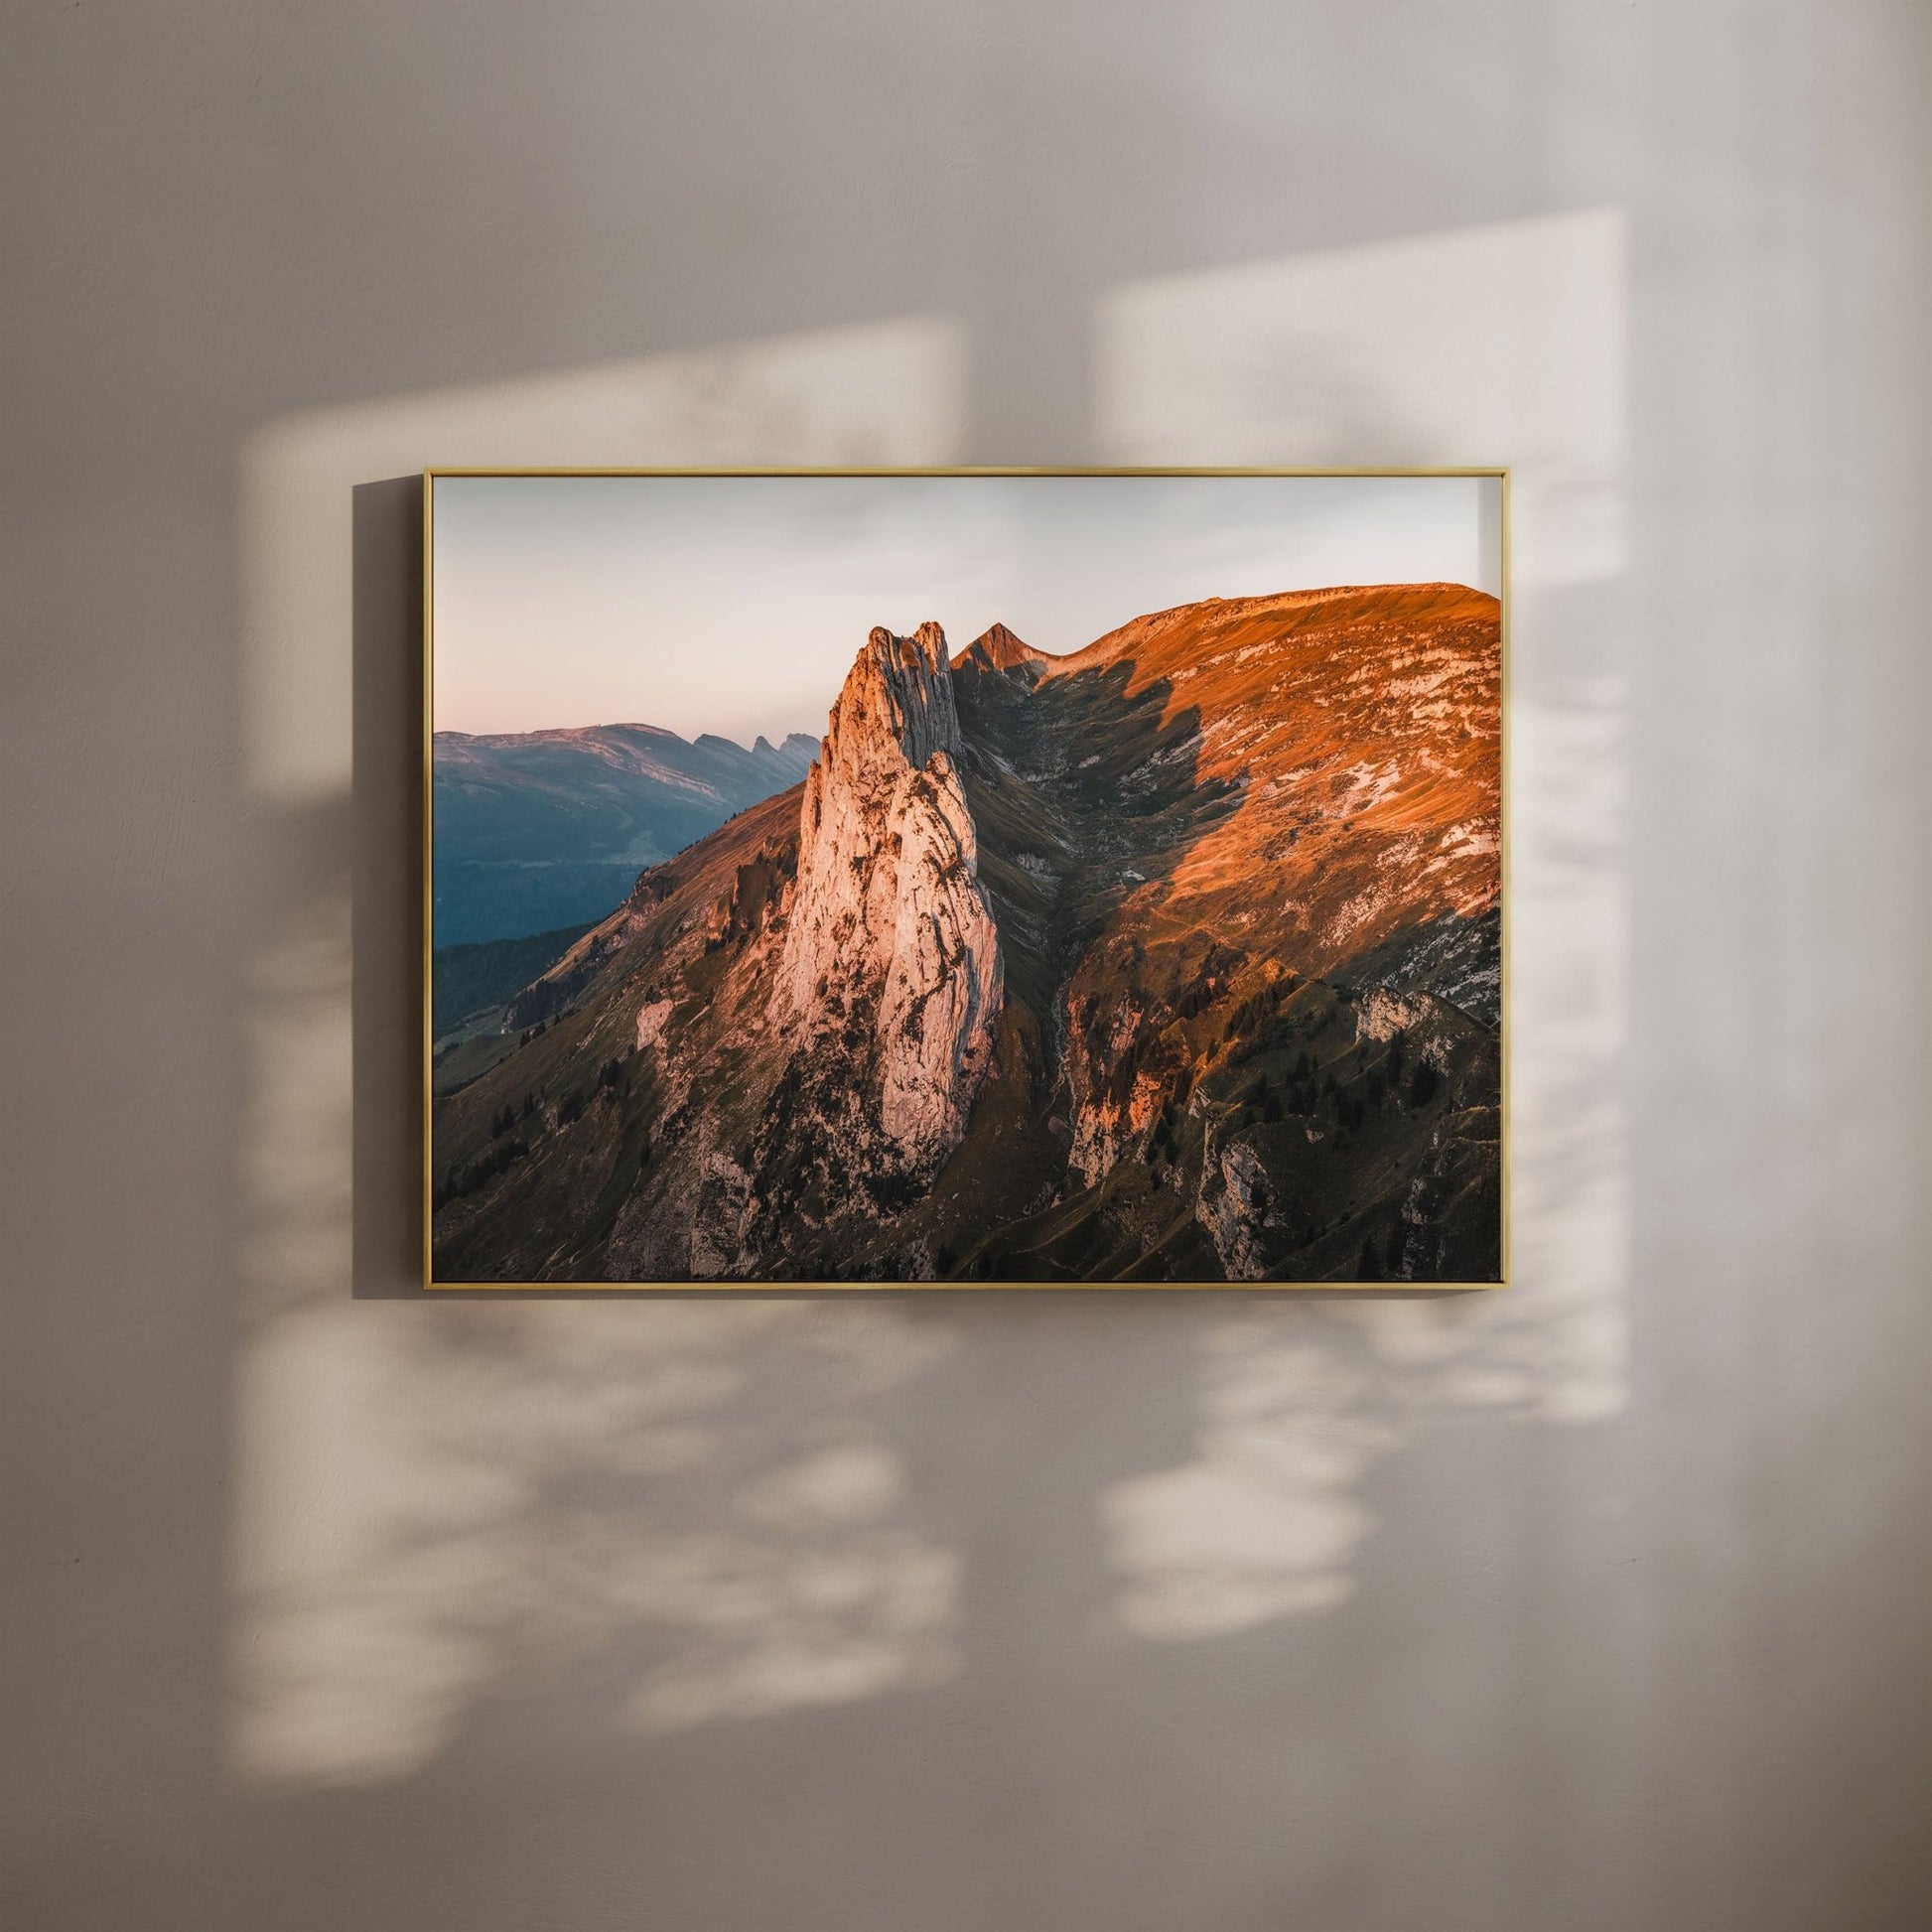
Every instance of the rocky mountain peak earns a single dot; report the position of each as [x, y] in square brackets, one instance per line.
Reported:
[897, 698]
[1001, 649]
[888, 929]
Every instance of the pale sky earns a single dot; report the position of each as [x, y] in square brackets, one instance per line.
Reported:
[736, 605]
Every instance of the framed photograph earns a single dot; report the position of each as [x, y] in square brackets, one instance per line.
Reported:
[965, 877]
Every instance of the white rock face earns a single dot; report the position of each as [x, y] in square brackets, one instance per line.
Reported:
[1383, 1014]
[887, 927]
[1234, 1212]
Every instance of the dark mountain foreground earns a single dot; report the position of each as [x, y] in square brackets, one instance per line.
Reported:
[1177, 959]
[537, 830]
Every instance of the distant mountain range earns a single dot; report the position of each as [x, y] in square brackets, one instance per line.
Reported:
[1177, 958]
[537, 830]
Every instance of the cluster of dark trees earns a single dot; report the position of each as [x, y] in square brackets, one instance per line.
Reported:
[1303, 1093]
[496, 1159]
[507, 1116]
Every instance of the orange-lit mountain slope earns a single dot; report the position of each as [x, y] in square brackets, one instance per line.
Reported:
[1361, 731]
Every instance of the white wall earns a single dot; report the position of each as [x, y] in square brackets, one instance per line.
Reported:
[1596, 1604]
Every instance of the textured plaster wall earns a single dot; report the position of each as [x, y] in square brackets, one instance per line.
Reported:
[1600, 1604]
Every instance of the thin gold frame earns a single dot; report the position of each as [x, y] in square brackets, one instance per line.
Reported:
[1500, 472]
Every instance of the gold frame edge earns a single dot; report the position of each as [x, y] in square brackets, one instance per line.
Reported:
[775, 1290]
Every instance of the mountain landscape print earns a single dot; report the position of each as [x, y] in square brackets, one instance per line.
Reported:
[1164, 949]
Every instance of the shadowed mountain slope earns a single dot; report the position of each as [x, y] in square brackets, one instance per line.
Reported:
[1177, 958]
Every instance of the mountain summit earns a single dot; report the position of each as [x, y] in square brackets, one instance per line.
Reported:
[998, 649]
[1177, 958]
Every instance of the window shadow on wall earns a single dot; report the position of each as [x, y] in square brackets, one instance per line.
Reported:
[949, 1585]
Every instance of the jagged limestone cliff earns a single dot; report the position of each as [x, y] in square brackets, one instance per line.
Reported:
[886, 920]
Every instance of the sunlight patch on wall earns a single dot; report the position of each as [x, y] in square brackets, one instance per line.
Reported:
[881, 394]
[1505, 344]
[631, 1516]
[1499, 345]
[810, 1593]
[451, 1512]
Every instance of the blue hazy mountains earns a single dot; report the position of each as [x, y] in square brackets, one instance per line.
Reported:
[537, 830]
